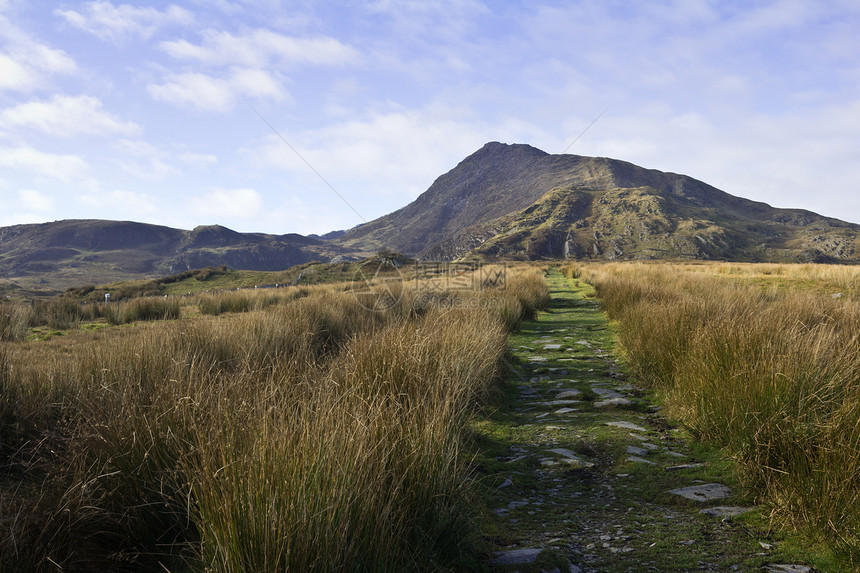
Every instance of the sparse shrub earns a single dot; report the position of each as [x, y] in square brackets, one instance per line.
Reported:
[15, 320]
[141, 309]
[529, 287]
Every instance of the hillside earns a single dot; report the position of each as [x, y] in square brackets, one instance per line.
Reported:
[501, 202]
[67, 253]
[516, 201]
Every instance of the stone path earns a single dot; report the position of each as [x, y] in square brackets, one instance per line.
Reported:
[585, 475]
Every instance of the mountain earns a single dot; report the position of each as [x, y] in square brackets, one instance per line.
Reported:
[516, 201]
[501, 202]
[76, 252]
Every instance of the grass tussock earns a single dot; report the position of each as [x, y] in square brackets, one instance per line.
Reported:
[245, 300]
[311, 434]
[755, 359]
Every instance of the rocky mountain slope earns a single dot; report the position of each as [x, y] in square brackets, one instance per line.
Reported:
[516, 201]
[75, 252]
[501, 202]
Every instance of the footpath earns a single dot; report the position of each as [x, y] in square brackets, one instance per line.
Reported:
[584, 474]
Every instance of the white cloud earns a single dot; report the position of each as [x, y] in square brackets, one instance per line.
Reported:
[197, 90]
[209, 93]
[50, 60]
[387, 154]
[116, 23]
[122, 201]
[143, 160]
[260, 48]
[256, 83]
[65, 167]
[15, 76]
[25, 63]
[198, 159]
[242, 203]
[67, 116]
[33, 200]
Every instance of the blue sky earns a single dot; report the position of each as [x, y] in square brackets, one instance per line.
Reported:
[151, 111]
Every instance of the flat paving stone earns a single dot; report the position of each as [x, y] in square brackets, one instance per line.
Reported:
[725, 511]
[638, 460]
[781, 568]
[563, 402]
[626, 426]
[516, 556]
[565, 452]
[612, 402]
[606, 392]
[703, 492]
[684, 466]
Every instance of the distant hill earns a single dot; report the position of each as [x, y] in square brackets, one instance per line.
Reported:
[516, 201]
[75, 252]
[501, 202]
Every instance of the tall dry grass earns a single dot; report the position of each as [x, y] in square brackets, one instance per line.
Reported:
[310, 435]
[768, 369]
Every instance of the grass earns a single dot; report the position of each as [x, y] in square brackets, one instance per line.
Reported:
[614, 515]
[305, 433]
[756, 360]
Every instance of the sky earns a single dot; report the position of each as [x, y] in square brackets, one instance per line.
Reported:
[307, 117]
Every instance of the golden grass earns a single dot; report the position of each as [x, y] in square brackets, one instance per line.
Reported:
[305, 434]
[769, 368]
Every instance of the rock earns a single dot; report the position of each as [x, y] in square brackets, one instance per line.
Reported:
[565, 453]
[725, 511]
[568, 394]
[562, 402]
[612, 402]
[627, 426]
[638, 460]
[516, 556]
[606, 393]
[552, 346]
[650, 446]
[566, 410]
[703, 492]
[636, 451]
[781, 568]
[684, 466]
[537, 359]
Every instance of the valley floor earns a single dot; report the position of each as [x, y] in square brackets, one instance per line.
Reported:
[583, 472]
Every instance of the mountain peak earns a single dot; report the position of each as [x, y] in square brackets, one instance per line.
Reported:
[514, 200]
